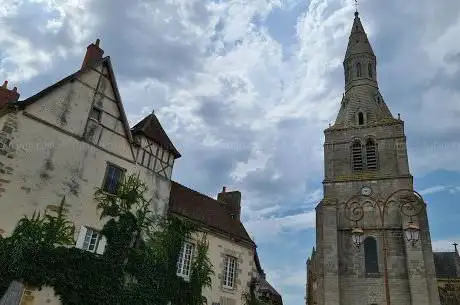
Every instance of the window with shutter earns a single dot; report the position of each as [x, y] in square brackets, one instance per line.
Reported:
[91, 240]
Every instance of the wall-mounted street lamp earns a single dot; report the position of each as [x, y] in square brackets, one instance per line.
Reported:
[357, 236]
[412, 233]
[410, 203]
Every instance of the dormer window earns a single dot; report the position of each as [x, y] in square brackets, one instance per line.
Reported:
[370, 72]
[360, 118]
[358, 70]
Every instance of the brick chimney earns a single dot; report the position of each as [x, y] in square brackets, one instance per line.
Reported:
[93, 54]
[7, 95]
[232, 200]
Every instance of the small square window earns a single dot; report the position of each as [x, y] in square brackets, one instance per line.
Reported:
[95, 114]
[112, 179]
[91, 240]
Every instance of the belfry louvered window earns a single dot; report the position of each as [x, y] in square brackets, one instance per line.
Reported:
[357, 156]
[371, 155]
[370, 72]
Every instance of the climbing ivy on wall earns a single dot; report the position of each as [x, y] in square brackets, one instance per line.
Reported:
[138, 266]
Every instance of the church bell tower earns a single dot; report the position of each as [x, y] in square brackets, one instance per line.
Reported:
[373, 243]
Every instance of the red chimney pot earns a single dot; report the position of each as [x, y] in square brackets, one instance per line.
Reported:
[7, 95]
[93, 54]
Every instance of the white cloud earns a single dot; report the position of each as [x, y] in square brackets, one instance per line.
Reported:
[241, 111]
[289, 277]
[433, 189]
[440, 188]
[267, 228]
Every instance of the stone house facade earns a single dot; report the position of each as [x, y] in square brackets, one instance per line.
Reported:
[231, 251]
[366, 165]
[73, 137]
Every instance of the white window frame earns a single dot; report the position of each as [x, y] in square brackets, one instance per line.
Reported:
[184, 262]
[91, 240]
[230, 268]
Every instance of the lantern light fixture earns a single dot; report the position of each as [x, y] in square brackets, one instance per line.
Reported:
[412, 232]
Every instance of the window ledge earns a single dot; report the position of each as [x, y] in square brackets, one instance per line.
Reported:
[184, 277]
[228, 289]
[373, 274]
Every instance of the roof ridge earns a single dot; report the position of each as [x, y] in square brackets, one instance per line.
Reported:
[203, 208]
[194, 191]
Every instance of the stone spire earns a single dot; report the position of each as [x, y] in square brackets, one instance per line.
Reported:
[360, 61]
[362, 103]
[358, 42]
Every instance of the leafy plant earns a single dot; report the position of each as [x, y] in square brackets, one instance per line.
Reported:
[137, 268]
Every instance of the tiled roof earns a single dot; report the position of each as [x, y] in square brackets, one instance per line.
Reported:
[205, 210]
[447, 264]
[150, 127]
[264, 285]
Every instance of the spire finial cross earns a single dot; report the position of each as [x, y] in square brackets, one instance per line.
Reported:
[356, 6]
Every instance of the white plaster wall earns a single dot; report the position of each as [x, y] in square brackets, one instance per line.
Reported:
[48, 159]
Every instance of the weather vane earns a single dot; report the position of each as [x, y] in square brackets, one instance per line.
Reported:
[356, 5]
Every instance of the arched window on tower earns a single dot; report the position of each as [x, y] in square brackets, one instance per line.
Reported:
[357, 156]
[360, 118]
[371, 262]
[371, 154]
[358, 70]
[370, 71]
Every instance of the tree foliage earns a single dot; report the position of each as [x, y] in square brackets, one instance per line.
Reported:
[138, 266]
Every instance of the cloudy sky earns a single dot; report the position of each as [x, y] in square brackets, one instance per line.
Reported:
[245, 88]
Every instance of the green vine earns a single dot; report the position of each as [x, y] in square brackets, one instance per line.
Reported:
[138, 266]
